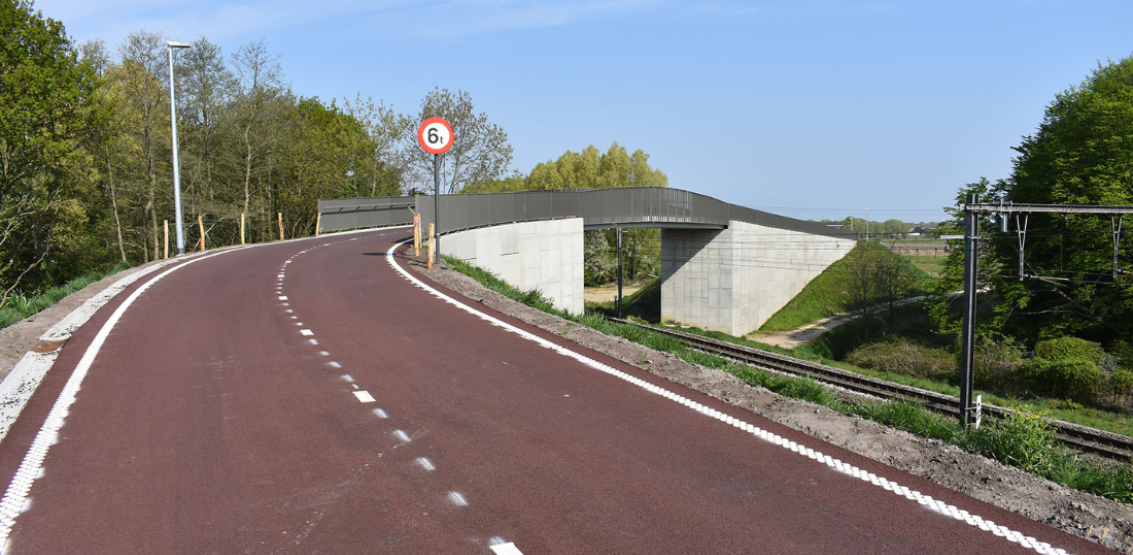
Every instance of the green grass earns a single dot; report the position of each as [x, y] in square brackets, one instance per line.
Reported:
[931, 265]
[1023, 440]
[19, 307]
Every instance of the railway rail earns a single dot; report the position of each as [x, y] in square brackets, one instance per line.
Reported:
[1082, 438]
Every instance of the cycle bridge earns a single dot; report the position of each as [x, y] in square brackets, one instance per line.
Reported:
[724, 267]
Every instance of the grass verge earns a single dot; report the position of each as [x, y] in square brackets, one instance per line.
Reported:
[1023, 440]
[19, 307]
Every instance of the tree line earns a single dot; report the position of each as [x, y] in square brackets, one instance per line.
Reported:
[86, 176]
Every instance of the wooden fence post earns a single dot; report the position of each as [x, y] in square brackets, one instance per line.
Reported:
[166, 239]
[318, 223]
[432, 246]
[201, 226]
[281, 226]
[417, 235]
[241, 228]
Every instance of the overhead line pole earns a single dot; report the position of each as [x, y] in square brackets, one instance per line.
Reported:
[972, 208]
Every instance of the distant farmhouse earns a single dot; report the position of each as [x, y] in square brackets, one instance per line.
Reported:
[921, 230]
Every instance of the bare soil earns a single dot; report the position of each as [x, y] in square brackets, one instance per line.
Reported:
[1097, 519]
[608, 293]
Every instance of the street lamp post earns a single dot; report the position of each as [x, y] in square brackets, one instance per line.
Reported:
[176, 166]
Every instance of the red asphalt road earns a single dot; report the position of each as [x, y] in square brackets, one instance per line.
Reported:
[210, 424]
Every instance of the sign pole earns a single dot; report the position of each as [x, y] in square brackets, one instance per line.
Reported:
[435, 136]
[437, 198]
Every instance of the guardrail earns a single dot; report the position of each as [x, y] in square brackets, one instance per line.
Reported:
[600, 208]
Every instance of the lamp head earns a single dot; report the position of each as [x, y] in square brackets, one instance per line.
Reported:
[175, 44]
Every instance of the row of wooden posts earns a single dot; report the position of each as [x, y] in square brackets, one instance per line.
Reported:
[201, 226]
[318, 225]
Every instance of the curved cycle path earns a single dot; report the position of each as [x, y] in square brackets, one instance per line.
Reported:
[313, 397]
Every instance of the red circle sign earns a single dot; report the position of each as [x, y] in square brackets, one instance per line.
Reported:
[435, 135]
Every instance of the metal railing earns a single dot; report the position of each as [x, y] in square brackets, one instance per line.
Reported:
[601, 208]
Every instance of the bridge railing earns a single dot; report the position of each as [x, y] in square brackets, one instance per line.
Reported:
[641, 206]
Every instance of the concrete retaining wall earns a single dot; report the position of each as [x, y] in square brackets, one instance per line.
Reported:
[733, 280]
[544, 255]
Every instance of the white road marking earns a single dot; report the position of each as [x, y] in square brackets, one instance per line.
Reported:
[348, 378]
[364, 396]
[324, 353]
[381, 413]
[457, 499]
[401, 435]
[306, 332]
[505, 549]
[283, 297]
[940, 507]
[17, 493]
[313, 341]
[334, 364]
[426, 464]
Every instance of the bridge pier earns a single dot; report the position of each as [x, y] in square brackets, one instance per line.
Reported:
[732, 280]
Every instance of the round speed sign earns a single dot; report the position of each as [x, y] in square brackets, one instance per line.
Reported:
[435, 135]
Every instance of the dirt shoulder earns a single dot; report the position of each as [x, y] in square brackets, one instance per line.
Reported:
[1100, 520]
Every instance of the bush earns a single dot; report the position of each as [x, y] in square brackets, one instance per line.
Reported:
[1064, 379]
[901, 356]
[999, 367]
[1121, 383]
[1069, 348]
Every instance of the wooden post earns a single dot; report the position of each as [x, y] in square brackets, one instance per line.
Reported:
[166, 239]
[432, 246]
[241, 228]
[417, 235]
[201, 226]
[318, 223]
[281, 226]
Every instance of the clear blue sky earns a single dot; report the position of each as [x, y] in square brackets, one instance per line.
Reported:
[807, 108]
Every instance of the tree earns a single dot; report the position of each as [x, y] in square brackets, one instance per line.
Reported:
[206, 89]
[45, 93]
[1082, 153]
[480, 151]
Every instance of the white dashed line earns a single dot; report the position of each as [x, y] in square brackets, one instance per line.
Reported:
[348, 378]
[504, 548]
[334, 364]
[939, 507]
[401, 434]
[457, 499]
[364, 396]
[426, 464]
[306, 332]
[283, 297]
[313, 341]
[324, 353]
[381, 413]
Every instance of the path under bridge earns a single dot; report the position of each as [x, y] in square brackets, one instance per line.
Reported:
[724, 267]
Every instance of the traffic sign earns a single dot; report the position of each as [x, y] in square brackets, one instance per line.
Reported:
[435, 135]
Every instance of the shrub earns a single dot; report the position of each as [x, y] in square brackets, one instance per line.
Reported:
[999, 367]
[901, 356]
[1068, 348]
[1064, 379]
[1121, 383]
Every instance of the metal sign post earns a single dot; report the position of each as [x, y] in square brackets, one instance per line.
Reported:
[435, 136]
[967, 345]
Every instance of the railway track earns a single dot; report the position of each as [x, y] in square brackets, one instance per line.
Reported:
[1082, 438]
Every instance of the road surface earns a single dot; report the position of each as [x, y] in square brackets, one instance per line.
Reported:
[310, 397]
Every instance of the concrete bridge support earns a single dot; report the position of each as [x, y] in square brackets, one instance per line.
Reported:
[544, 255]
[733, 280]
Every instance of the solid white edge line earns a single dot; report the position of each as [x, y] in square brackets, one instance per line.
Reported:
[31, 466]
[939, 507]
